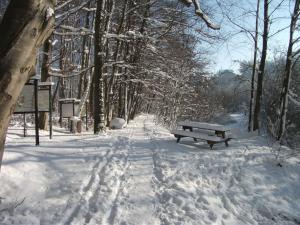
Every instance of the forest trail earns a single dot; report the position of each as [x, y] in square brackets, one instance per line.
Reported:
[140, 175]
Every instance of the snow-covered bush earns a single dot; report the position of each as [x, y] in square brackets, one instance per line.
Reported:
[118, 123]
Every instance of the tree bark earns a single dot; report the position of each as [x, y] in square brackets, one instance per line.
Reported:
[261, 70]
[99, 120]
[44, 117]
[86, 46]
[287, 73]
[250, 122]
[111, 83]
[26, 25]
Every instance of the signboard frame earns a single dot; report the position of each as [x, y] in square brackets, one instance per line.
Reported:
[42, 87]
[74, 103]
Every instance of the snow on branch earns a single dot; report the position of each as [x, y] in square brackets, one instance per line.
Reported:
[49, 13]
[58, 73]
[89, 9]
[201, 14]
[71, 11]
[74, 31]
[294, 101]
[63, 5]
[188, 3]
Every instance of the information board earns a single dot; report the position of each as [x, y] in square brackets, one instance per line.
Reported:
[25, 102]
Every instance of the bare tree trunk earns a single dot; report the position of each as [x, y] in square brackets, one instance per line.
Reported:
[99, 123]
[110, 93]
[109, 86]
[126, 102]
[261, 70]
[26, 25]
[250, 122]
[287, 73]
[85, 54]
[44, 117]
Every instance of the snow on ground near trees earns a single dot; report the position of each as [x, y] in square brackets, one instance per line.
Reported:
[140, 175]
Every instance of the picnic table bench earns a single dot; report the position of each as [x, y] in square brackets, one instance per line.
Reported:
[219, 130]
[200, 132]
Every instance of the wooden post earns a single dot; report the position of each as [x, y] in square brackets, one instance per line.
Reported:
[36, 106]
[60, 113]
[86, 116]
[50, 111]
[24, 121]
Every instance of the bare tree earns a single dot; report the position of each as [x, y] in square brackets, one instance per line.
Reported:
[103, 18]
[250, 121]
[284, 98]
[261, 70]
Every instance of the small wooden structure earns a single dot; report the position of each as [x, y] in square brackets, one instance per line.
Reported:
[202, 131]
[68, 108]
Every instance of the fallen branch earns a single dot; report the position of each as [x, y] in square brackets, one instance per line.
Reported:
[17, 204]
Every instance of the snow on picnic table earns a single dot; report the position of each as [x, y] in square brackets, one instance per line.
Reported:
[140, 175]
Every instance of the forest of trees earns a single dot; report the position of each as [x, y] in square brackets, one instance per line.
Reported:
[128, 57]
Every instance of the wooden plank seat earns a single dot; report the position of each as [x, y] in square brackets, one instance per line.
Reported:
[219, 130]
[210, 139]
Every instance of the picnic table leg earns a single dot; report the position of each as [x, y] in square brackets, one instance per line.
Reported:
[178, 137]
[226, 143]
[211, 144]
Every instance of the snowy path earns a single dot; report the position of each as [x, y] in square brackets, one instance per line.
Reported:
[140, 175]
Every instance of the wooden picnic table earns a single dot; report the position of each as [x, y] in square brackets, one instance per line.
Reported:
[219, 130]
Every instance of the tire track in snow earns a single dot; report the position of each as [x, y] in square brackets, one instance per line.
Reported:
[89, 186]
[113, 212]
[136, 203]
[85, 192]
[158, 180]
[82, 210]
[103, 204]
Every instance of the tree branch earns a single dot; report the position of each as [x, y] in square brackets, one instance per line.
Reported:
[201, 14]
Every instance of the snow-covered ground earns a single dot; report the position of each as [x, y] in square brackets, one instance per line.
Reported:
[140, 175]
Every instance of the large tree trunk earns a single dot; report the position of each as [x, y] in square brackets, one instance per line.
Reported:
[24, 28]
[99, 121]
[110, 89]
[250, 122]
[261, 70]
[44, 117]
[86, 47]
[288, 72]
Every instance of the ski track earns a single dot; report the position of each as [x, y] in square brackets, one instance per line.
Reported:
[105, 183]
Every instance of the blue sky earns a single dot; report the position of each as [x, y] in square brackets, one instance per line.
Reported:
[225, 54]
